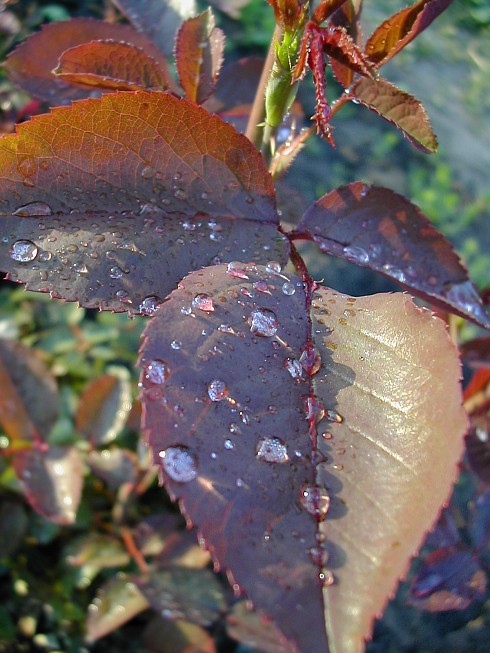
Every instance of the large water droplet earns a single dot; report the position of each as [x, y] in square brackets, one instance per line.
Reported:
[237, 270]
[263, 322]
[115, 272]
[272, 450]
[356, 254]
[179, 463]
[288, 288]
[273, 267]
[176, 344]
[203, 302]
[23, 251]
[310, 359]
[33, 209]
[294, 367]
[315, 500]
[149, 305]
[157, 371]
[217, 390]
[333, 416]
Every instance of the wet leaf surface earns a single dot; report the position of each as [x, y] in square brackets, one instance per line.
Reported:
[29, 400]
[347, 16]
[450, 579]
[379, 229]
[286, 455]
[400, 29]
[112, 65]
[180, 593]
[158, 20]
[199, 55]
[397, 107]
[117, 601]
[51, 478]
[104, 407]
[120, 224]
[30, 65]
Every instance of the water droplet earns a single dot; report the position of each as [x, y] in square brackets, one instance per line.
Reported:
[180, 194]
[175, 344]
[326, 578]
[217, 390]
[395, 272]
[288, 288]
[310, 359]
[226, 328]
[179, 463]
[23, 251]
[149, 305]
[237, 270]
[80, 268]
[188, 226]
[272, 450]
[33, 209]
[294, 367]
[318, 555]
[356, 254]
[44, 256]
[177, 176]
[315, 500]
[186, 310]
[157, 371]
[314, 409]
[147, 172]
[273, 267]
[333, 416]
[233, 428]
[203, 302]
[229, 444]
[263, 322]
[262, 286]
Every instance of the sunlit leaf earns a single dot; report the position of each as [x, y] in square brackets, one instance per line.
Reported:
[180, 593]
[104, 407]
[93, 552]
[379, 229]
[156, 187]
[116, 602]
[164, 636]
[109, 64]
[31, 64]
[199, 55]
[158, 19]
[347, 16]
[29, 401]
[51, 478]
[397, 107]
[256, 448]
[400, 29]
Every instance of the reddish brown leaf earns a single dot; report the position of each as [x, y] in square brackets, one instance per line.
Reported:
[400, 29]
[377, 228]
[31, 64]
[156, 188]
[199, 55]
[347, 16]
[109, 64]
[229, 95]
[476, 352]
[397, 107]
[52, 480]
[104, 407]
[231, 419]
[158, 19]
[29, 401]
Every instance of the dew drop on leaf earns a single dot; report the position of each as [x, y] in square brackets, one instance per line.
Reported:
[175, 344]
[237, 270]
[272, 450]
[157, 372]
[294, 367]
[33, 209]
[115, 272]
[23, 251]
[273, 267]
[179, 463]
[318, 555]
[356, 254]
[217, 390]
[288, 288]
[203, 302]
[263, 322]
[149, 305]
[310, 359]
[326, 578]
[315, 500]
[333, 416]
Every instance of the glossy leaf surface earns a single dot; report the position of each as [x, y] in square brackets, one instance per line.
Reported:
[377, 228]
[158, 19]
[400, 29]
[51, 478]
[199, 55]
[30, 65]
[397, 107]
[236, 424]
[112, 65]
[115, 216]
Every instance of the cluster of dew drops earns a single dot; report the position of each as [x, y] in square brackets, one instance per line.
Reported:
[181, 464]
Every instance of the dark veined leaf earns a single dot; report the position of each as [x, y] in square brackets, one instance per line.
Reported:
[31, 64]
[164, 636]
[158, 19]
[156, 187]
[379, 229]
[52, 479]
[199, 55]
[180, 593]
[287, 452]
[109, 64]
[104, 407]
[29, 400]
[116, 602]
[450, 579]
[397, 107]
[400, 29]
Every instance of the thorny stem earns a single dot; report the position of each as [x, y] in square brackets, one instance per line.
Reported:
[253, 132]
